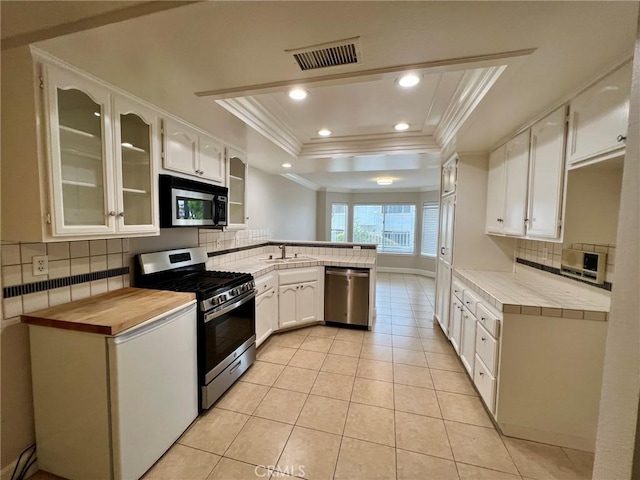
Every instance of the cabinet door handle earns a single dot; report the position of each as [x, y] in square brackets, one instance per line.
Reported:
[112, 213]
[121, 214]
[483, 339]
[441, 250]
[622, 138]
[481, 373]
[483, 319]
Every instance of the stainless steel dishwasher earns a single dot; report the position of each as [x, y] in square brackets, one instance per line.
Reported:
[346, 296]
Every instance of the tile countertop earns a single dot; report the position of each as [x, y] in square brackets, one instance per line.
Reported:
[258, 266]
[531, 292]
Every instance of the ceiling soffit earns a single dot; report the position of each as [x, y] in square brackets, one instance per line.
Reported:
[477, 79]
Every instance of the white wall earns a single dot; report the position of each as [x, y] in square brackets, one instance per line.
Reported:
[411, 262]
[285, 208]
[618, 442]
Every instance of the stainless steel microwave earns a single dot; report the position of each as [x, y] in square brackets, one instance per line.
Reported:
[187, 203]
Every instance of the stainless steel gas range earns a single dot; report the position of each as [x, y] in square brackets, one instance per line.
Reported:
[226, 314]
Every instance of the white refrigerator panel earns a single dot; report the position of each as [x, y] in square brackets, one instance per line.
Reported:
[154, 389]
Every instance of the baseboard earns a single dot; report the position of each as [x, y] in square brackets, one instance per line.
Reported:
[558, 439]
[409, 271]
[5, 473]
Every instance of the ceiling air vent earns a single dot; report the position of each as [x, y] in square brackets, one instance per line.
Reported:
[332, 54]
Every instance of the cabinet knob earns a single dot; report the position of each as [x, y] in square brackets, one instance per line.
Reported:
[481, 373]
[482, 318]
[483, 339]
[112, 213]
[622, 138]
[121, 214]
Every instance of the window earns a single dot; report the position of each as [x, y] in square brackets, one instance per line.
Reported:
[391, 227]
[429, 229]
[339, 214]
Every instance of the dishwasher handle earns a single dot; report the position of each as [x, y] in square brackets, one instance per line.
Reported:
[347, 273]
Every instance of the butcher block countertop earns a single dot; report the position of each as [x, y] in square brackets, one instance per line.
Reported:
[110, 313]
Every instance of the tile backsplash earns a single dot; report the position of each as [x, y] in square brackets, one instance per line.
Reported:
[77, 270]
[217, 241]
[533, 251]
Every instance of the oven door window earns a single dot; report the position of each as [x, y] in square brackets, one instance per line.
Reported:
[224, 334]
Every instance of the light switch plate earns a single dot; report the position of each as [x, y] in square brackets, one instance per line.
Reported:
[40, 265]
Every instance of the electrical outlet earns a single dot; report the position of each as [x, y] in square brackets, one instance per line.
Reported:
[40, 265]
[357, 247]
[545, 253]
[218, 244]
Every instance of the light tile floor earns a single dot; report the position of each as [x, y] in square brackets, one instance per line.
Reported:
[392, 403]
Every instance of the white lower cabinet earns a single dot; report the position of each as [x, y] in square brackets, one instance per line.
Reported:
[298, 297]
[486, 384]
[534, 373]
[266, 307]
[455, 328]
[443, 290]
[468, 345]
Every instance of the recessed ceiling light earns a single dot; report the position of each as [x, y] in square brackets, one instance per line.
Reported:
[384, 181]
[286, 165]
[324, 132]
[409, 80]
[401, 126]
[297, 93]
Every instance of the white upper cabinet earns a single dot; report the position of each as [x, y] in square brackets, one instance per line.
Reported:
[212, 161]
[517, 162]
[598, 118]
[546, 176]
[191, 152]
[80, 153]
[496, 190]
[237, 183]
[507, 187]
[449, 171]
[137, 149]
[180, 147]
[103, 151]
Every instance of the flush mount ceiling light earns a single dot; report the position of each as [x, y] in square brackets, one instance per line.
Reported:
[324, 132]
[409, 80]
[298, 93]
[402, 126]
[384, 181]
[286, 165]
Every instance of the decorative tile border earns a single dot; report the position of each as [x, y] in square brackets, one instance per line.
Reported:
[556, 271]
[290, 244]
[44, 285]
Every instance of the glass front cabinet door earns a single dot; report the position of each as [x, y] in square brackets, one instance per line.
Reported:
[102, 152]
[238, 217]
[80, 146]
[137, 148]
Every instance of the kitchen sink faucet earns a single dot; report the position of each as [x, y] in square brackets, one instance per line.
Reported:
[283, 247]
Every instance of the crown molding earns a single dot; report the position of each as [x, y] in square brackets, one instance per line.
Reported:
[474, 86]
[254, 114]
[379, 146]
[302, 181]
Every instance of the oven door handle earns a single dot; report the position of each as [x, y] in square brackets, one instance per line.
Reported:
[210, 316]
